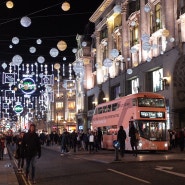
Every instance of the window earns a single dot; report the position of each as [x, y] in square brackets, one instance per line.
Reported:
[134, 35]
[157, 80]
[156, 18]
[115, 91]
[135, 85]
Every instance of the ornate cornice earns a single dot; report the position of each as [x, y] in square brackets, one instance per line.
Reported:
[97, 14]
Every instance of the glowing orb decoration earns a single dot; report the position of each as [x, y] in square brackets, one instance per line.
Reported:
[147, 8]
[64, 58]
[148, 59]
[10, 46]
[61, 45]
[129, 71]
[9, 4]
[65, 6]
[172, 39]
[25, 21]
[74, 50]
[17, 60]
[84, 43]
[54, 52]
[32, 49]
[57, 66]
[145, 37]
[133, 23]
[41, 59]
[126, 44]
[117, 9]
[114, 53]
[39, 41]
[107, 62]
[165, 33]
[15, 40]
[146, 46]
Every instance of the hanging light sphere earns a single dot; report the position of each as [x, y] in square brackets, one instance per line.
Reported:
[64, 59]
[65, 6]
[10, 46]
[114, 53]
[17, 60]
[32, 49]
[25, 21]
[84, 43]
[117, 9]
[165, 33]
[107, 62]
[61, 45]
[39, 41]
[9, 4]
[57, 66]
[129, 71]
[15, 40]
[41, 59]
[74, 50]
[147, 8]
[54, 52]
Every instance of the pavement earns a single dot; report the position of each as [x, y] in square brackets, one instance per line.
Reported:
[8, 167]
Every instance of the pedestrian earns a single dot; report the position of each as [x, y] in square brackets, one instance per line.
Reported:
[65, 137]
[74, 136]
[20, 152]
[133, 140]
[91, 142]
[2, 147]
[100, 138]
[121, 137]
[32, 146]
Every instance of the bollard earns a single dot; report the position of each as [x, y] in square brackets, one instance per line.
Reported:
[116, 154]
[116, 145]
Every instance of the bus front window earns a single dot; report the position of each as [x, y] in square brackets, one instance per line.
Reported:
[152, 130]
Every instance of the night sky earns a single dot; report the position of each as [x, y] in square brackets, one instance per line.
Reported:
[49, 23]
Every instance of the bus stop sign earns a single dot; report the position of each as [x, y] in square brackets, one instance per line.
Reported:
[116, 144]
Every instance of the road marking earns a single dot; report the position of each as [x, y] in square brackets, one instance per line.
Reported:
[147, 182]
[165, 169]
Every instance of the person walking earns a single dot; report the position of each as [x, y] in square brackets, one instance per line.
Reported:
[2, 147]
[20, 152]
[64, 142]
[133, 139]
[121, 138]
[32, 147]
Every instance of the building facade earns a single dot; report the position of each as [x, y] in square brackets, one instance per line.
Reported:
[137, 46]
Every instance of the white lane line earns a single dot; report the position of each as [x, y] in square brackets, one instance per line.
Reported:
[147, 182]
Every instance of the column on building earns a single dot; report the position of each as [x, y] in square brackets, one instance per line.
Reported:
[99, 76]
[125, 36]
[144, 27]
[168, 20]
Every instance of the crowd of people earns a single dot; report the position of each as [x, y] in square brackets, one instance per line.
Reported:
[28, 144]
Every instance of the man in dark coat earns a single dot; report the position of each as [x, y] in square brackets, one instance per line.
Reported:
[121, 138]
[32, 146]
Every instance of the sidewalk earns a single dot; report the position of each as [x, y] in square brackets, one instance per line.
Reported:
[8, 176]
[7, 173]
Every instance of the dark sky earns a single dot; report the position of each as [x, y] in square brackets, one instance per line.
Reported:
[48, 23]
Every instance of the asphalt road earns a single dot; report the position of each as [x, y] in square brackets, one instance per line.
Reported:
[52, 169]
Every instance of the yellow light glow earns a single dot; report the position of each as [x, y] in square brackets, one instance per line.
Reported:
[65, 6]
[9, 4]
